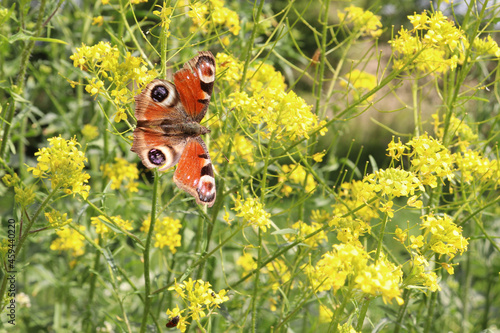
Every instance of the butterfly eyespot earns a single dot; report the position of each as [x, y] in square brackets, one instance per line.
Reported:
[159, 93]
[156, 157]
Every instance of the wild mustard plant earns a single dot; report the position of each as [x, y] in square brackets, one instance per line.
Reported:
[305, 234]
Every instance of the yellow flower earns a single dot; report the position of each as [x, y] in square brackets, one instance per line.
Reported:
[102, 228]
[429, 158]
[401, 235]
[278, 272]
[247, 262]
[220, 15]
[265, 76]
[252, 211]
[109, 73]
[359, 83]
[121, 172]
[394, 182]
[434, 40]
[242, 148]
[334, 267]
[396, 149]
[164, 15]
[120, 115]
[325, 314]
[57, 220]
[304, 229]
[382, 278]
[63, 163]
[318, 157]
[136, 2]
[421, 276]
[199, 298]
[90, 132]
[11, 180]
[363, 21]
[296, 174]
[69, 240]
[231, 69]
[486, 46]
[24, 196]
[166, 232]
[445, 236]
[97, 21]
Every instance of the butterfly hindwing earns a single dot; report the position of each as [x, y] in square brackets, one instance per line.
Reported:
[195, 82]
[157, 150]
[195, 173]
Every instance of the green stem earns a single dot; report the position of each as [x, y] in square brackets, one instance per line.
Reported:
[362, 314]
[402, 311]
[256, 285]
[250, 44]
[321, 73]
[430, 312]
[416, 111]
[147, 280]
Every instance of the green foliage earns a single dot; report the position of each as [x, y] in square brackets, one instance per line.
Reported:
[310, 231]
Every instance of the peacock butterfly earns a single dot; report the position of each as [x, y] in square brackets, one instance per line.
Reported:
[168, 127]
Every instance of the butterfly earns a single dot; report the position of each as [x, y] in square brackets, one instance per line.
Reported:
[168, 127]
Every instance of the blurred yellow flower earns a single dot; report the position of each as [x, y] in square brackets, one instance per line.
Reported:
[63, 164]
[69, 240]
[121, 173]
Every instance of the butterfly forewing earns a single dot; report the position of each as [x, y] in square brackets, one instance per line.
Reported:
[195, 83]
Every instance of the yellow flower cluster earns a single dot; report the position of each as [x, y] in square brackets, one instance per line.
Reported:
[220, 16]
[63, 164]
[90, 132]
[362, 21]
[164, 13]
[486, 46]
[421, 275]
[430, 159]
[57, 220]
[349, 264]
[200, 299]
[166, 232]
[252, 211]
[304, 229]
[353, 195]
[359, 83]
[434, 39]
[24, 196]
[247, 262]
[232, 69]
[445, 237]
[267, 102]
[276, 272]
[381, 278]
[296, 174]
[435, 45]
[458, 127]
[102, 228]
[121, 172]
[112, 75]
[242, 147]
[69, 240]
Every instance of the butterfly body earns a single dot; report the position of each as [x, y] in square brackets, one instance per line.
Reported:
[168, 127]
